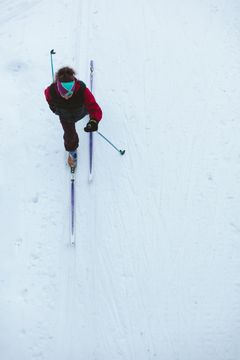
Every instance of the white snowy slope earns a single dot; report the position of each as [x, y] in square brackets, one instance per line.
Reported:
[155, 270]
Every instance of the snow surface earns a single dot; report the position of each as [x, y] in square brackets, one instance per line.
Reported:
[155, 270]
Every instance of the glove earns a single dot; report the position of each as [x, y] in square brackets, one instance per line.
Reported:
[92, 125]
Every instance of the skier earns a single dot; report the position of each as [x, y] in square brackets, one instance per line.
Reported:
[71, 100]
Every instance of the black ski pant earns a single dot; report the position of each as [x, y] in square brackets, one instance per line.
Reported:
[68, 121]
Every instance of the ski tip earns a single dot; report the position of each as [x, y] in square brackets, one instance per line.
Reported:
[72, 242]
[90, 178]
[91, 66]
[122, 152]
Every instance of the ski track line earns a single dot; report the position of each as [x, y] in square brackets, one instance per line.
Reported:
[131, 324]
[109, 289]
[16, 10]
[80, 43]
[70, 329]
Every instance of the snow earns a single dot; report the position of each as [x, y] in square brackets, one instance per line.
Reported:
[155, 270]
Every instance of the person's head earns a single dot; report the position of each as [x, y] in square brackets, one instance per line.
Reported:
[65, 79]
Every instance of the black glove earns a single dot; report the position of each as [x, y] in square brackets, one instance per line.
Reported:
[92, 125]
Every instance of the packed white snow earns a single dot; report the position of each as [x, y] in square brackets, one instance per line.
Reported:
[155, 270]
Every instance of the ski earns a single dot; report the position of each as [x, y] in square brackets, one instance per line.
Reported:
[91, 134]
[72, 222]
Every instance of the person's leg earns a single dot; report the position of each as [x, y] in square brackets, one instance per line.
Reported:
[68, 120]
[70, 136]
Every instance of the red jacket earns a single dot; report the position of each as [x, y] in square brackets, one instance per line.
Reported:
[88, 100]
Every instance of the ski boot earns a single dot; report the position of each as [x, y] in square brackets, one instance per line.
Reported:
[72, 159]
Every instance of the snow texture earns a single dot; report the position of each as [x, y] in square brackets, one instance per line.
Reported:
[155, 270]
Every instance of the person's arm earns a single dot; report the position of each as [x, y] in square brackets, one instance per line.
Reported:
[50, 101]
[94, 110]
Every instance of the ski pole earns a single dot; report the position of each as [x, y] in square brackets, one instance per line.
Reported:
[122, 152]
[52, 52]
[91, 134]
